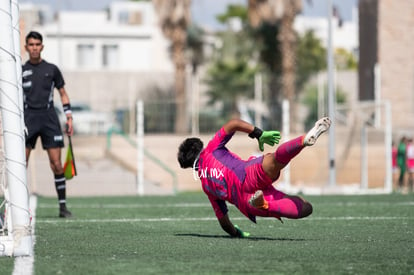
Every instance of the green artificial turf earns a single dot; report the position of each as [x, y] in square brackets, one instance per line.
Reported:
[180, 235]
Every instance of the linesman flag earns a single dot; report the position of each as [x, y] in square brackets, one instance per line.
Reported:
[69, 167]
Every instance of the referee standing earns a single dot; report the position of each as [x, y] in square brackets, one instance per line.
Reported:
[40, 78]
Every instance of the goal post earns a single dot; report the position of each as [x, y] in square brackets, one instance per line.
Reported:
[365, 138]
[15, 231]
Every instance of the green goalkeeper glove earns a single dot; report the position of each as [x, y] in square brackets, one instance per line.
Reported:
[241, 233]
[269, 137]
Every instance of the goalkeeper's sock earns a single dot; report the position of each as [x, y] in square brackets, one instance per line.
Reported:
[287, 207]
[60, 184]
[289, 149]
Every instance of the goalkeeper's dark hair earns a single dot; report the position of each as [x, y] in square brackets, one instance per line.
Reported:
[188, 152]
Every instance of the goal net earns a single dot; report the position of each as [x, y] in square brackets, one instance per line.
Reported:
[15, 229]
[6, 238]
[362, 154]
[363, 146]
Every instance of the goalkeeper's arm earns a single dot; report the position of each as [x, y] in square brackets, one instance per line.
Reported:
[232, 230]
[269, 137]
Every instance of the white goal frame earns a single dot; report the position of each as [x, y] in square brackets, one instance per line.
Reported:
[15, 232]
[369, 118]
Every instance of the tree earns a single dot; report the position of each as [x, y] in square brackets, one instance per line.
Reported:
[311, 58]
[344, 60]
[270, 56]
[227, 81]
[310, 100]
[231, 74]
[195, 45]
[174, 18]
[283, 12]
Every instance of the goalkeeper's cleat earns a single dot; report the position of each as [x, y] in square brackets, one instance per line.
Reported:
[64, 213]
[258, 201]
[321, 126]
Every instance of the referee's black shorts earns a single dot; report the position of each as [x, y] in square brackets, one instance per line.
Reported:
[44, 123]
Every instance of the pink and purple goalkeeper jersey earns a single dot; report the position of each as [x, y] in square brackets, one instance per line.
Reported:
[222, 173]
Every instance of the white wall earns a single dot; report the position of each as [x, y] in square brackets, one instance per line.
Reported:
[141, 46]
[345, 37]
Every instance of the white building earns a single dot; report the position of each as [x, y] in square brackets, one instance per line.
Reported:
[120, 53]
[125, 38]
[344, 36]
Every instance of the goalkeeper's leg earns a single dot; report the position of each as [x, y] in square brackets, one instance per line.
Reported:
[274, 203]
[290, 149]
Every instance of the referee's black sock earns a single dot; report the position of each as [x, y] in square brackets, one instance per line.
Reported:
[60, 184]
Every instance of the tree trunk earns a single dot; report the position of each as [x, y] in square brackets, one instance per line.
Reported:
[283, 11]
[174, 18]
[181, 121]
[287, 40]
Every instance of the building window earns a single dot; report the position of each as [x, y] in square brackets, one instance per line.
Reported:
[135, 18]
[123, 17]
[110, 56]
[86, 55]
[130, 17]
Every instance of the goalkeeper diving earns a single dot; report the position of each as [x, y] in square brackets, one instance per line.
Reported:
[248, 184]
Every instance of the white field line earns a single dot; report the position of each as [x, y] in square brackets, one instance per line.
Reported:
[404, 203]
[136, 220]
[24, 265]
[127, 205]
[212, 218]
[197, 205]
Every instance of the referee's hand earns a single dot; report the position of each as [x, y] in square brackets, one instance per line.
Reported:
[69, 127]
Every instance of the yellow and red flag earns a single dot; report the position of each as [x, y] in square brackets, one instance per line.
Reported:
[69, 167]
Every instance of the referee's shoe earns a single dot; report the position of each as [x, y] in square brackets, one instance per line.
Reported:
[64, 212]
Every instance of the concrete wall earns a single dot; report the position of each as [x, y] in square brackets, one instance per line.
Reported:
[108, 91]
[308, 169]
[387, 38]
[396, 56]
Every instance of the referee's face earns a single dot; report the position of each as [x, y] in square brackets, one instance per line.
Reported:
[34, 47]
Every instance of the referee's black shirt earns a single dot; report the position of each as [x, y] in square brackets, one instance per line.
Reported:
[39, 82]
